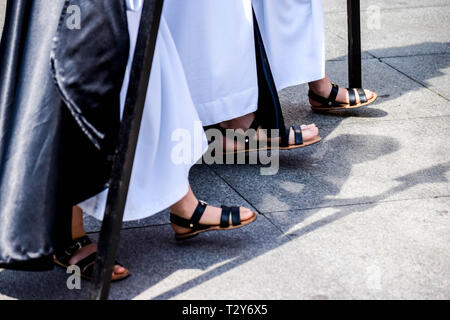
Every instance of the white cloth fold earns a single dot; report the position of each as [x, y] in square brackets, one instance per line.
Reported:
[294, 36]
[215, 42]
[171, 138]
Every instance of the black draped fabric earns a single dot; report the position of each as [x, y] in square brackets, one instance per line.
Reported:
[59, 115]
[269, 111]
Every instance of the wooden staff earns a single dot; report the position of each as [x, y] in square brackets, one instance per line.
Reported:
[124, 158]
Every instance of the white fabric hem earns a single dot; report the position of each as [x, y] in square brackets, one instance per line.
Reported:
[95, 207]
[227, 105]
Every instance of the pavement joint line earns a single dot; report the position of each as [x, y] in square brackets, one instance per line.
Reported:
[411, 78]
[337, 35]
[137, 227]
[412, 55]
[388, 120]
[353, 122]
[357, 204]
[293, 209]
[345, 59]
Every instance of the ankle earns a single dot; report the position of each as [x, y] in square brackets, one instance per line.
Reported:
[243, 122]
[186, 206]
[77, 223]
[321, 87]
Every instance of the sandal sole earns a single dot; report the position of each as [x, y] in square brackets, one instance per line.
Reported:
[306, 144]
[346, 107]
[185, 236]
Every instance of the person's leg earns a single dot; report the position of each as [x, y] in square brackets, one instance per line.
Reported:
[323, 87]
[309, 132]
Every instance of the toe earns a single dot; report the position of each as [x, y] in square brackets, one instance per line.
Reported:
[369, 94]
[308, 126]
[310, 133]
[246, 213]
[118, 270]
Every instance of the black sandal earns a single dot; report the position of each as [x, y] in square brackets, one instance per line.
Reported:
[284, 143]
[86, 265]
[330, 103]
[198, 228]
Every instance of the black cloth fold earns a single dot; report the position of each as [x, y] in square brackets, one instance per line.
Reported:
[269, 112]
[49, 160]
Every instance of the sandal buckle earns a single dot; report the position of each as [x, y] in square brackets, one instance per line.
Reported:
[73, 248]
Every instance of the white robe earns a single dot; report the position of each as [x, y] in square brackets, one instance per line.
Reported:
[171, 138]
[215, 42]
[294, 36]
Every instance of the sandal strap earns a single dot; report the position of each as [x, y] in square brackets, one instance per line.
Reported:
[236, 216]
[334, 93]
[75, 245]
[255, 124]
[298, 135]
[235, 213]
[285, 139]
[362, 95]
[86, 265]
[326, 102]
[192, 223]
[198, 213]
[352, 96]
[225, 217]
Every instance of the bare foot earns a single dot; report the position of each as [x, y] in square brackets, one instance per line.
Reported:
[309, 132]
[323, 88]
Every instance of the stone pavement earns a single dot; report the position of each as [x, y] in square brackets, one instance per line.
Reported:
[363, 215]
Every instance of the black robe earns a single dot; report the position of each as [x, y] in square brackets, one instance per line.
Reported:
[59, 118]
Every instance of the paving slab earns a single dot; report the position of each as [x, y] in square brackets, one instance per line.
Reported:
[161, 267]
[250, 263]
[401, 32]
[393, 250]
[433, 71]
[356, 163]
[400, 97]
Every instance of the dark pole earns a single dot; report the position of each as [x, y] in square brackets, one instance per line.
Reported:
[354, 43]
[123, 162]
